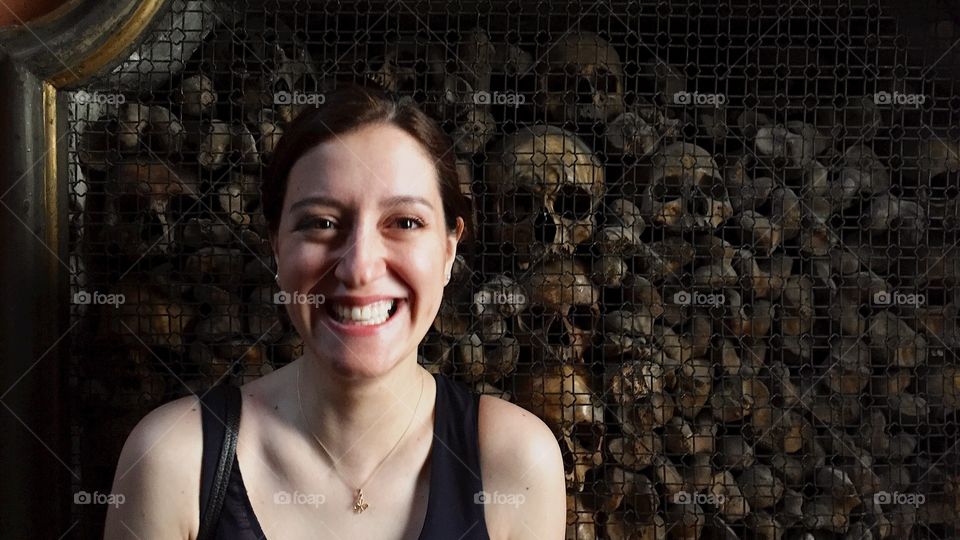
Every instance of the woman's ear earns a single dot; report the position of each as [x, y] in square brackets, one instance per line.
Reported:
[273, 244]
[452, 241]
[276, 254]
[460, 227]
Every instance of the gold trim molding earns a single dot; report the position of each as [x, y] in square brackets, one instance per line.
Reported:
[50, 167]
[128, 32]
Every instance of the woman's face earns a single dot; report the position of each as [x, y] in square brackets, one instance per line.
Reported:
[362, 217]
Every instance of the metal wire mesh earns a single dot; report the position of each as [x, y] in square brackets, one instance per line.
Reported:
[726, 275]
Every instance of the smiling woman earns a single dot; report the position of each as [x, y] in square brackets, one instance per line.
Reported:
[354, 439]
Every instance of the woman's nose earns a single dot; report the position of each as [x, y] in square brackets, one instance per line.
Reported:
[361, 258]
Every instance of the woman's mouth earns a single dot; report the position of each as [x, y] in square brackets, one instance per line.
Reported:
[372, 314]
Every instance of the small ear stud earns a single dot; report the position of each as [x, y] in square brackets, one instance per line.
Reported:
[276, 277]
[448, 279]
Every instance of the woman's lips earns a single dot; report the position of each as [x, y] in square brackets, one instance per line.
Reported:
[361, 329]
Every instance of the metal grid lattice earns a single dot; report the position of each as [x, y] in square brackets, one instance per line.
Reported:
[725, 275]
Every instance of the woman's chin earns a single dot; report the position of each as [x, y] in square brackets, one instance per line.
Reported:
[349, 365]
[357, 350]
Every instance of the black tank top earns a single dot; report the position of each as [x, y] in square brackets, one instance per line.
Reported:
[455, 480]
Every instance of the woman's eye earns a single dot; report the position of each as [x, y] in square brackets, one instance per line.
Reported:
[415, 221]
[325, 224]
[315, 223]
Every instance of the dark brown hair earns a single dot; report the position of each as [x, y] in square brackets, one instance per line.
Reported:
[349, 107]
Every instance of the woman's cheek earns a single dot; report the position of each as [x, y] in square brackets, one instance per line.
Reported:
[425, 257]
[298, 270]
[430, 275]
[304, 262]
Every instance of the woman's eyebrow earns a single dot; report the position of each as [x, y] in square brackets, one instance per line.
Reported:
[405, 199]
[390, 202]
[316, 200]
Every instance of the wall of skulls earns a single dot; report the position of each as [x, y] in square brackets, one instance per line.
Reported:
[738, 322]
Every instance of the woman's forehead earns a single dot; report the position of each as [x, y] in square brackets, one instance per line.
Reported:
[380, 159]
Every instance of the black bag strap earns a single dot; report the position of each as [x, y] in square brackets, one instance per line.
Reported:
[220, 413]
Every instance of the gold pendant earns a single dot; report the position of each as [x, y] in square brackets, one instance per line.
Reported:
[360, 505]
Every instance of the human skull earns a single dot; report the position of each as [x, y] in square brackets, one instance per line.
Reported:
[638, 395]
[395, 69]
[936, 157]
[686, 189]
[581, 519]
[560, 284]
[782, 147]
[475, 126]
[584, 79]
[546, 184]
[553, 338]
[562, 397]
[294, 70]
[938, 165]
[581, 456]
[564, 311]
[858, 172]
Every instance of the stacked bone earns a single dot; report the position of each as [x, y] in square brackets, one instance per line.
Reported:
[752, 376]
[701, 332]
[175, 226]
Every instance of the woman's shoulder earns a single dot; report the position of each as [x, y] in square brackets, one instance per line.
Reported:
[170, 420]
[166, 435]
[521, 460]
[158, 471]
[167, 442]
[511, 432]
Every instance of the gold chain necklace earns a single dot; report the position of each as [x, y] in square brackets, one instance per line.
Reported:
[359, 504]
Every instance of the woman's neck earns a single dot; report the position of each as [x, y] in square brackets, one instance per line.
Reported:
[360, 419]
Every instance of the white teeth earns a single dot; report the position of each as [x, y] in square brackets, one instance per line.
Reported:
[374, 313]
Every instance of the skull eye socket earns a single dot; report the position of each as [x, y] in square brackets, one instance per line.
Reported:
[573, 202]
[569, 459]
[584, 91]
[518, 205]
[606, 81]
[546, 324]
[588, 434]
[556, 81]
[557, 334]
[698, 199]
[668, 190]
[716, 188]
[581, 316]
[712, 188]
[420, 66]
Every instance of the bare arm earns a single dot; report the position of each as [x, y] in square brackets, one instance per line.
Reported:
[543, 513]
[523, 474]
[158, 476]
